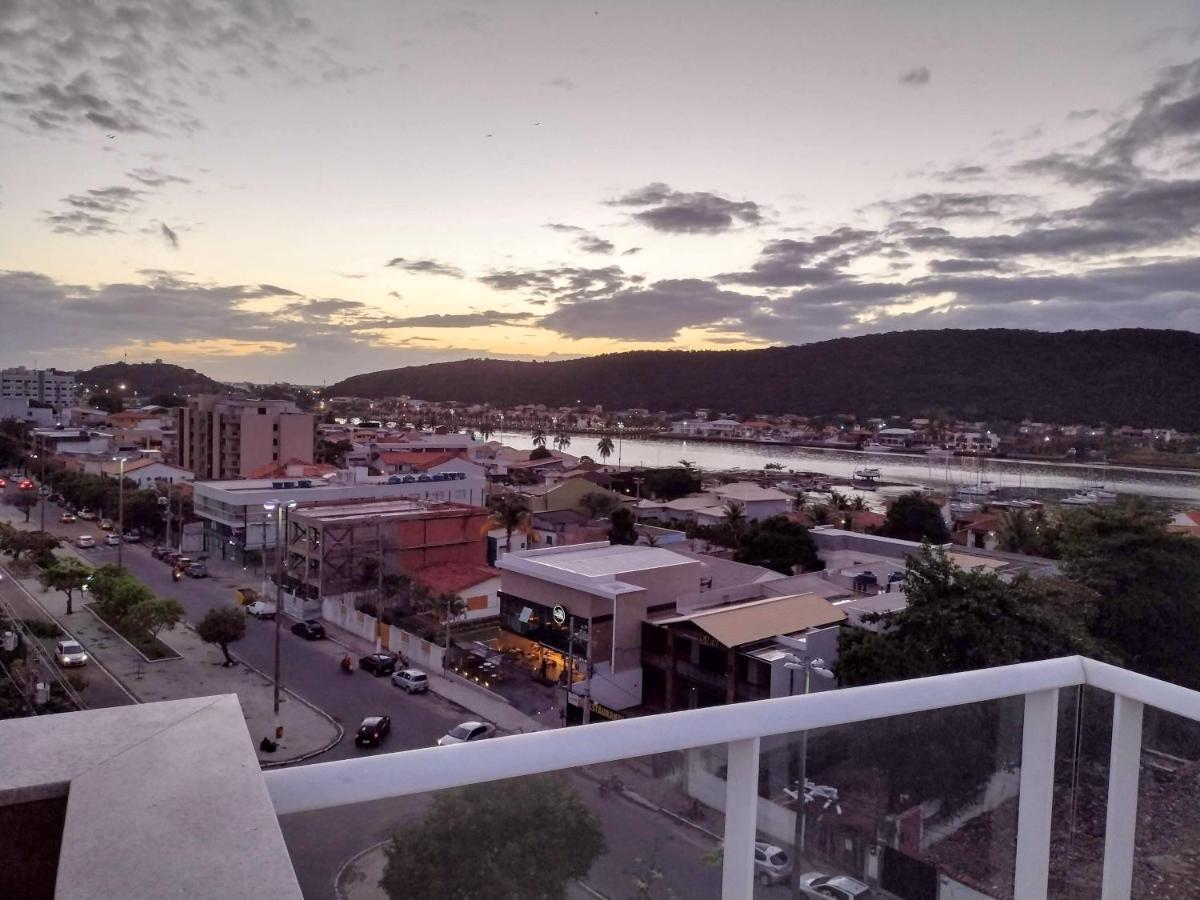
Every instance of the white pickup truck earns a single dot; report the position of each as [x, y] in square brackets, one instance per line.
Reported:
[261, 609]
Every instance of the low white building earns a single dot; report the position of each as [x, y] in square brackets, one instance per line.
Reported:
[146, 472]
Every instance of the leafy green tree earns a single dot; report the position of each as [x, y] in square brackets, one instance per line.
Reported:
[153, 615]
[521, 839]
[914, 518]
[222, 626]
[541, 452]
[117, 593]
[598, 503]
[143, 513]
[669, 484]
[1148, 581]
[622, 527]
[511, 512]
[956, 621]
[25, 501]
[486, 429]
[16, 543]
[106, 402]
[605, 447]
[67, 575]
[779, 544]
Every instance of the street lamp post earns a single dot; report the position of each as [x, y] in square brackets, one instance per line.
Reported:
[120, 460]
[808, 665]
[280, 510]
[620, 442]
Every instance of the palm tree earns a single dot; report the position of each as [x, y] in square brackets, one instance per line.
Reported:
[1017, 533]
[562, 440]
[510, 512]
[485, 429]
[735, 517]
[838, 500]
[858, 502]
[605, 448]
[539, 437]
[798, 501]
[820, 514]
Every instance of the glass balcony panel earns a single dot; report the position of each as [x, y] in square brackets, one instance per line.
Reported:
[1166, 862]
[920, 806]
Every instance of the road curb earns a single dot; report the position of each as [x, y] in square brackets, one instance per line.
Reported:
[337, 878]
[292, 760]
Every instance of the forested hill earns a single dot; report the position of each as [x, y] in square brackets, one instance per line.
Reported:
[149, 379]
[1136, 377]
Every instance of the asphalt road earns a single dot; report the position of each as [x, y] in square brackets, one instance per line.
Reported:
[321, 842]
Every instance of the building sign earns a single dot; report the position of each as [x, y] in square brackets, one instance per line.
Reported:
[560, 615]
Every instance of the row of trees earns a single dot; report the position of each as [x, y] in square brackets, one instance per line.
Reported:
[127, 604]
[143, 511]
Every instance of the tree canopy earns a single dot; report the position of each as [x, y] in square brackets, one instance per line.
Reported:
[67, 575]
[1148, 583]
[526, 838]
[913, 518]
[222, 626]
[779, 544]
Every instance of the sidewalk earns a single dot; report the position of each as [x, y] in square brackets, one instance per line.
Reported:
[197, 673]
[490, 707]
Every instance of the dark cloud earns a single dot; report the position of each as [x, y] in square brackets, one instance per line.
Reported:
[424, 267]
[964, 173]
[481, 319]
[169, 236]
[952, 205]
[563, 283]
[1079, 115]
[95, 211]
[584, 239]
[676, 212]
[945, 266]
[632, 251]
[654, 313]
[819, 260]
[81, 223]
[152, 177]
[918, 77]
[136, 66]
[562, 82]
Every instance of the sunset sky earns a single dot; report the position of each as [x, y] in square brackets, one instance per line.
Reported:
[270, 190]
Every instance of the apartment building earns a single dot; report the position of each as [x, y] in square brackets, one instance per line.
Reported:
[38, 386]
[221, 437]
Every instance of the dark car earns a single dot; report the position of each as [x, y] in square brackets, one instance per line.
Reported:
[159, 551]
[378, 664]
[309, 629]
[372, 731]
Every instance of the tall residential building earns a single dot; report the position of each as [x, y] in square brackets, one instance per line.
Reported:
[222, 437]
[38, 386]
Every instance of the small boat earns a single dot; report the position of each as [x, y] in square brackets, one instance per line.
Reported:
[866, 473]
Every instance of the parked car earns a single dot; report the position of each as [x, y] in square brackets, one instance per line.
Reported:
[196, 570]
[309, 629]
[87, 515]
[771, 864]
[112, 540]
[171, 557]
[56, 498]
[70, 654]
[159, 551]
[372, 731]
[467, 731]
[261, 609]
[412, 680]
[378, 664]
[85, 542]
[106, 524]
[833, 887]
[67, 518]
[131, 537]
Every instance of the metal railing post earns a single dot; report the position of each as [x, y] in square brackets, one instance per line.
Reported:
[1120, 827]
[1036, 804]
[741, 820]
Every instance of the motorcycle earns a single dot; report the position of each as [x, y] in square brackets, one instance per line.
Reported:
[176, 575]
[347, 665]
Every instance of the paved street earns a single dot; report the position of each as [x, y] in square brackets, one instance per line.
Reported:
[321, 842]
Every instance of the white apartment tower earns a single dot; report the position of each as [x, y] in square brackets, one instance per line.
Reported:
[38, 386]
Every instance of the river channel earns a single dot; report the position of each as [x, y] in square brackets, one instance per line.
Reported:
[1024, 477]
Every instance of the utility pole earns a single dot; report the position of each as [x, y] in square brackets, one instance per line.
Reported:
[120, 509]
[587, 688]
[570, 666]
[42, 482]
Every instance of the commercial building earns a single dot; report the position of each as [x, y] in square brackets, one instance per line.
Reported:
[38, 386]
[221, 437]
[330, 546]
[236, 524]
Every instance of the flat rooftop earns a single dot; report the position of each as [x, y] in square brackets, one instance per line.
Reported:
[383, 509]
[608, 559]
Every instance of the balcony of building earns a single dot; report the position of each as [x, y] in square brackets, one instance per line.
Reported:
[1061, 778]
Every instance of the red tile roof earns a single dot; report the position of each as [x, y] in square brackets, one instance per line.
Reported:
[453, 578]
[280, 470]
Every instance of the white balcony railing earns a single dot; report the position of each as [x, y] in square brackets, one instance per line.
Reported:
[741, 726]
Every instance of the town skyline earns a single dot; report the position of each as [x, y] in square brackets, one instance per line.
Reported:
[281, 194]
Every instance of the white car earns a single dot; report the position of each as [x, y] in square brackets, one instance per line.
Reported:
[85, 542]
[833, 887]
[771, 864]
[261, 609]
[467, 731]
[112, 540]
[412, 680]
[87, 515]
[69, 654]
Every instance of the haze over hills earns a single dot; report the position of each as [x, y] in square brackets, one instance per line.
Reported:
[1140, 377]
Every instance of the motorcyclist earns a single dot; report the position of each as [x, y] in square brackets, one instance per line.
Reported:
[347, 664]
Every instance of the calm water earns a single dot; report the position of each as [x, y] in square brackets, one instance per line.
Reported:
[1030, 477]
